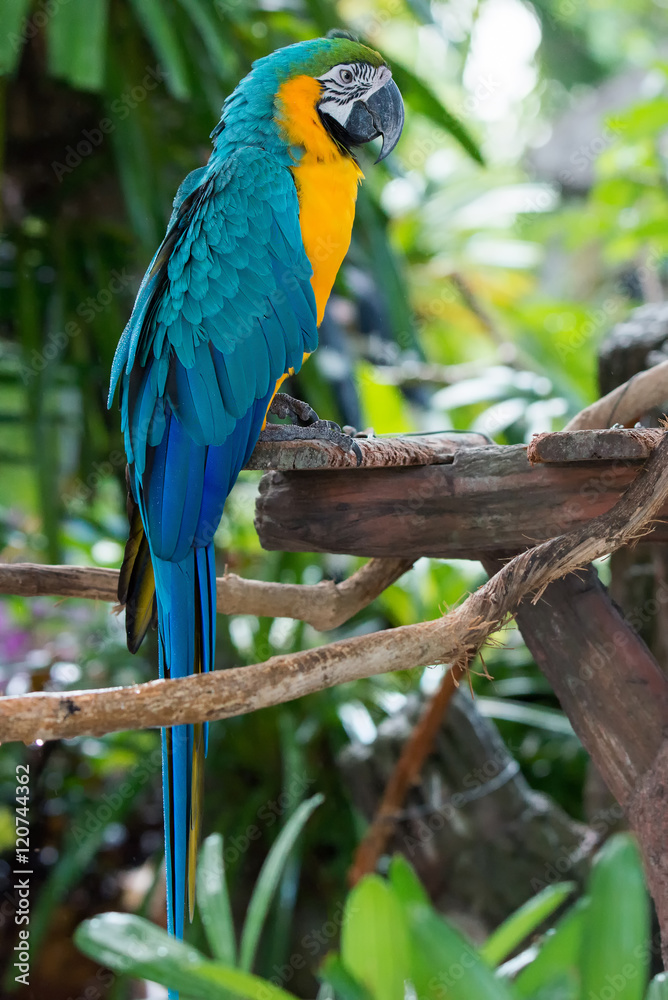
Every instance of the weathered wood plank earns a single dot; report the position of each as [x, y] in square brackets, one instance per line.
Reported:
[390, 450]
[616, 696]
[634, 444]
[488, 498]
[377, 452]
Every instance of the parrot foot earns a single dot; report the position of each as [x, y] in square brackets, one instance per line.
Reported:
[296, 410]
[316, 429]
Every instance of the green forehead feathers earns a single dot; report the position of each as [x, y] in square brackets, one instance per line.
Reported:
[315, 57]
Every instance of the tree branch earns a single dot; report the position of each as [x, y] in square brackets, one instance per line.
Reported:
[406, 773]
[627, 403]
[226, 693]
[324, 605]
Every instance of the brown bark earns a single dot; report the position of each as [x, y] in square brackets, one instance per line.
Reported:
[377, 452]
[616, 698]
[628, 402]
[406, 772]
[324, 605]
[488, 499]
[283, 678]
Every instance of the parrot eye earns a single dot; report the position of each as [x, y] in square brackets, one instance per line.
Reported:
[345, 76]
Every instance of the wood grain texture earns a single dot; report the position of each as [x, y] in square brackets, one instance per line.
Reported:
[633, 445]
[487, 499]
[221, 694]
[377, 452]
[616, 697]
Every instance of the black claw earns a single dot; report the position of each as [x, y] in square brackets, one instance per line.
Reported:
[319, 430]
[296, 410]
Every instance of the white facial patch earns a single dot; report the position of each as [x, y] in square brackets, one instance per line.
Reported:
[347, 83]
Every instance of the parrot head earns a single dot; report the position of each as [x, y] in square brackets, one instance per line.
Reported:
[359, 100]
[336, 83]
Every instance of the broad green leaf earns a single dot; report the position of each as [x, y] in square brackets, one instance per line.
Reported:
[445, 964]
[159, 30]
[381, 260]
[558, 958]
[223, 55]
[77, 38]
[13, 33]
[524, 922]
[134, 946]
[214, 901]
[269, 877]
[423, 100]
[564, 986]
[345, 986]
[134, 154]
[614, 944]
[280, 922]
[374, 939]
[407, 886]
[658, 988]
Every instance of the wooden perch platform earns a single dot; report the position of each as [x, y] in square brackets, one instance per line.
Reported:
[469, 498]
[377, 452]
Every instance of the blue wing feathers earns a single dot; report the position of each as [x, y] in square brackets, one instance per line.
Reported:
[225, 309]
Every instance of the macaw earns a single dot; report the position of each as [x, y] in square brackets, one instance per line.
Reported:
[229, 306]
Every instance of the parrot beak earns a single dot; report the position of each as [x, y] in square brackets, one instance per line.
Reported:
[382, 113]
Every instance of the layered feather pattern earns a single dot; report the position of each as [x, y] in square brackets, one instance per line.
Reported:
[224, 311]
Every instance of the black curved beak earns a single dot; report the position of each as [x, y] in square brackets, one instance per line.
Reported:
[381, 114]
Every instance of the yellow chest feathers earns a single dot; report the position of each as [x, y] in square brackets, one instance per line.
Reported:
[326, 182]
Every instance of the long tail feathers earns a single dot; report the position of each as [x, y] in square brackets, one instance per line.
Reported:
[186, 593]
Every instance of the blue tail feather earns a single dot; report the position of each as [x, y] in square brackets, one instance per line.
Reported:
[186, 594]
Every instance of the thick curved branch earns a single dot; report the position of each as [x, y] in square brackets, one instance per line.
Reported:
[222, 694]
[323, 605]
[627, 403]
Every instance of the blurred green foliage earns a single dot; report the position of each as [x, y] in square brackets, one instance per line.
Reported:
[393, 943]
[472, 297]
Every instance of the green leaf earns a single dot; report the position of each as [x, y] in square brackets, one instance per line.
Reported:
[374, 939]
[134, 946]
[136, 155]
[614, 945]
[524, 922]
[346, 987]
[658, 988]
[77, 38]
[558, 959]
[12, 33]
[565, 986]
[407, 886]
[214, 901]
[269, 877]
[221, 52]
[381, 260]
[446, 964]
[155, 21]
[425, 102]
